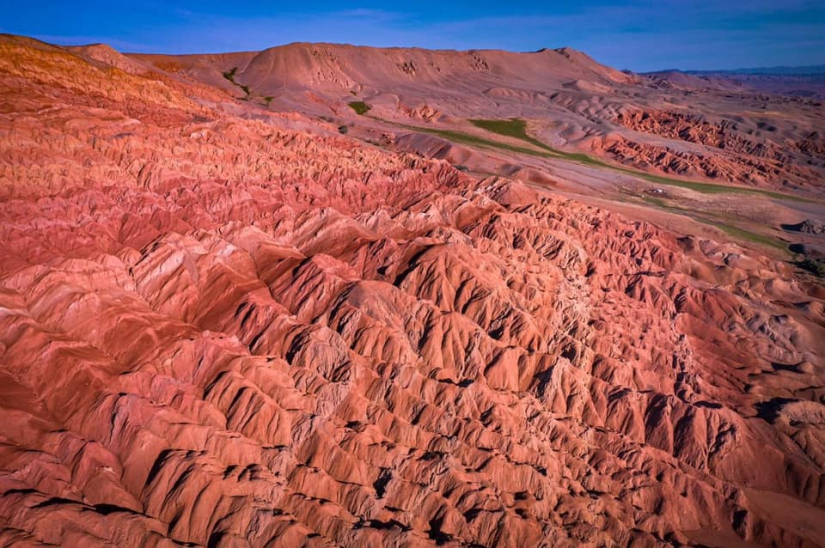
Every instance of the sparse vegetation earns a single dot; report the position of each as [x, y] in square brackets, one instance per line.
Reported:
[746, 235]
[474, 140]
[705, 188]
[814, 266]
[230, 75]
[343, 130]
[661, 204]
[719, 222]
[514, 127]
[268, 100]
[360, 107]
[517, 128]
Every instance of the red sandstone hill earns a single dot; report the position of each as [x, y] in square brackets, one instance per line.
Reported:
[226, 326]
[322, 67]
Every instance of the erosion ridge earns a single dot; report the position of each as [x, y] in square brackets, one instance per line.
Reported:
[225, 326]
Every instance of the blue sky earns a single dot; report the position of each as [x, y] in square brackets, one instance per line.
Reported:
[637, 34]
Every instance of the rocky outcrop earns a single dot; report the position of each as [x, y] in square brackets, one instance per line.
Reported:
[742, 169]
[745, 151]
[695, 129]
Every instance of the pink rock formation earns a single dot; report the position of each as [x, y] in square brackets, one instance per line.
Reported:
[219, 330]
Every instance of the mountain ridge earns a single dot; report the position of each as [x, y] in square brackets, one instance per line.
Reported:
[779, 70]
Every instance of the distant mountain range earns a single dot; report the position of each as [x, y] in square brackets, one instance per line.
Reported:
[773, 71]
[807, 70]
[804, 81]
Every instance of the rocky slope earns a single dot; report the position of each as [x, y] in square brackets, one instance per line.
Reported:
[734, 150]
[225, 327]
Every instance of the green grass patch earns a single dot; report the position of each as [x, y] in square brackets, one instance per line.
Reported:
[517, 129]
[360, 107]
[514, 127]
[473, 140]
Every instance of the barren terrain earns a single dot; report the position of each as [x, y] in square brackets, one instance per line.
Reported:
[521, 300]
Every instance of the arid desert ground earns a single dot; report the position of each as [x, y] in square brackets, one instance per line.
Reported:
[324, 295]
